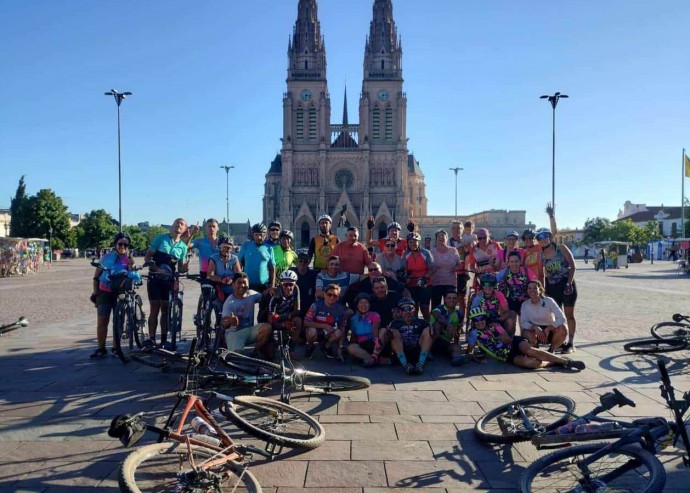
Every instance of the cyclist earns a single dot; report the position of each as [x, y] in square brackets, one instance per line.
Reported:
[393, 236]
[354, 256]
[365, 285]
[464, 242]
[325, 322]
[532, 258]
[485, 256]
[283, 310]
[223, 266]
[513, 280]
[207, 246]
[511, 245]
[333, 275]
[257, 260]
[274, 229]
[389, 260]
[306, 281]
[444, 273]
[117, 260]
[417, 263]
[541, 319]
[365, 344]
[494, 303]
[322, 245]
[559, 273]
[384, 301]
[410, 338]
[446, 321]
[283, 253]
[168, 252]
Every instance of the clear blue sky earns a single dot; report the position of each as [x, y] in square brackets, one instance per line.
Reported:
[208, 79]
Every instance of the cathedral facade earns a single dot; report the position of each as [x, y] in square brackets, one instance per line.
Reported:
[346, 170]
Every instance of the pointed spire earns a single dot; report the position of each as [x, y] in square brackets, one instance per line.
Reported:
[307, 52]
[345, 123]
[382, 53]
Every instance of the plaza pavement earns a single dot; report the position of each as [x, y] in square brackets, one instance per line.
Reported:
[403, 432]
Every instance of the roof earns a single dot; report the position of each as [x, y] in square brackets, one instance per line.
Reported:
[651, 212]
[276, 165]
[344, 140]
[413, 165]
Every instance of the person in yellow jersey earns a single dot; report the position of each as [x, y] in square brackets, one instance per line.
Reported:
[322, 245]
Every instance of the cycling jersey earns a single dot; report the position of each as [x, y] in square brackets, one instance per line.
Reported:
[284, 259]
[168, 252]
[514, 284]
[491, 305]
[256, 260]
[342, 279]
[556, 268]
[225, 269]
[362, 326]
[489, 340]
[400, 245]
[206, 248]
[452, 316]
[417, 263]
[321, 313]
[532, 259]
[115, 264]
[320, 248]
[505, 255]
[284, 306]
[410, 333]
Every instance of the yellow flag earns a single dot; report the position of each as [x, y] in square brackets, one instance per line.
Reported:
[687, 165]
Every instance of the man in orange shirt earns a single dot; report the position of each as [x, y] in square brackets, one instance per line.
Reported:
[353, 254]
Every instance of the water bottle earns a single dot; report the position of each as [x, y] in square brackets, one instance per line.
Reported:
[570, 427]
[202, 427]
[596, 427]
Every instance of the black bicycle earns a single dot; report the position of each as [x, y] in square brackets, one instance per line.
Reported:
[208, 314]
[668, 337]
[22, 322]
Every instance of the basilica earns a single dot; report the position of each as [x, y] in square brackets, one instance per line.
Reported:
[346, 170]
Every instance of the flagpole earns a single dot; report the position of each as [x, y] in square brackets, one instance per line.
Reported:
[682, 199]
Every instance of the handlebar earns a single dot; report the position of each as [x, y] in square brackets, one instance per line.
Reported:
[615, 398]
[679, 317]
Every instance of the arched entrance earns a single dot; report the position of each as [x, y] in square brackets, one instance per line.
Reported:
[383, 230]
[304, 235]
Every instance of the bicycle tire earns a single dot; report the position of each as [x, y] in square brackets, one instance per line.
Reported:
[275, 422]
[175, 322]
[166, 460]
[559, 466]
[208, 330]
[249, 365]
[140, 334]
[556, 410]
[670, 330]
[655, 346]
[334, 383]
[119, 320]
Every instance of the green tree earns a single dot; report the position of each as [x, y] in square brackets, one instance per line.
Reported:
[46, 210]
[625, 230]
[19, 208]
[650, 232]
[98, 229]
[154, 231]
[596, 229]
[139, 240]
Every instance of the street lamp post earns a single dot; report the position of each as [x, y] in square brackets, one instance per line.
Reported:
[119, 96]
[227, 196]
[554, 102]
[455, 170]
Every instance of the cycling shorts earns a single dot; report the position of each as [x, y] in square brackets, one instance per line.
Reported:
[158, 289]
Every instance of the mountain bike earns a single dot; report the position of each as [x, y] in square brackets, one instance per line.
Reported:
[22, 322]
[207, 319]
[668, 337]
[175, 304]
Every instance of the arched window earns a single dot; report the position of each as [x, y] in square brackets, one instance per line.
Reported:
[376, 124]
[389, 123]
[306, 64]
[312, 123]
[382, 65]
[383, 230]
[299, 124]
[304, 234]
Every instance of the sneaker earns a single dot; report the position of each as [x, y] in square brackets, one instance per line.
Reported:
[330, 353]
[573, 363]
[148, 344]
[567, 348]
[418, 369]
[409, 368]
[99, 353]
[372, 361]
[309, 351]
[385, 361]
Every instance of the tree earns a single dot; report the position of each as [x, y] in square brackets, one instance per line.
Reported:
[19, 208]
[596, 229]
[154, 231]
[624, 230]
[97, 230]
[650, 232]
[138, 238]
[46, 210]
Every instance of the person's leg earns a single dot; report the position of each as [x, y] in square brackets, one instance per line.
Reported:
[549, 359]
[262, 335]
[558, 337]
[165, 309]
[397, 346]
[237, 339]
[154, 307]
[357, 352]
[311, 335]
[523, 361]
[425, 342]
[509, 322]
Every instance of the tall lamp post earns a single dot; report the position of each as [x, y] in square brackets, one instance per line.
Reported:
[455, 170]
[554, 102]
[227, 197]
[119, 96]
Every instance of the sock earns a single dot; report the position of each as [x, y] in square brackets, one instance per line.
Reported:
[422, 357]
[402, 358]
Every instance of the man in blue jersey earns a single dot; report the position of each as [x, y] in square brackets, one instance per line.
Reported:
[257, 260]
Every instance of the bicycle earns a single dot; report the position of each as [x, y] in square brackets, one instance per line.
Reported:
[629, 462]
[199, 462]
[208, 315]
[22, 322]
[175, 303]
[668, 337]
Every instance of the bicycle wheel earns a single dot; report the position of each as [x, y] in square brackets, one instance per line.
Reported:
[174, 322]
[167, 467]
[505, 424]
[208, 330]
[249, 365]
[628, 468]
[275, 422]
[120, 321]
[139, 320]
[670, 330]
[652, 346]
[334, 383]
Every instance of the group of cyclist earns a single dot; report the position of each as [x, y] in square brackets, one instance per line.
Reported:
[368, 305]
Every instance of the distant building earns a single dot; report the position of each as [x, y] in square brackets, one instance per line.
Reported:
[75, 219]
[144, 226]
[239, 232]
[5, 218]
[669, 217]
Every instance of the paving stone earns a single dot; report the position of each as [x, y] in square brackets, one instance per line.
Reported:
[457, 385]
[346, 474]
[329, 450]
[397, 450]
[509, 385]
[280, 473]
[344, 418]
[440, 408]
[319, 490]
[426, 431]
[68, 474]
[368, 408]
[407, 396]
[447, 419]
[502, 475]
[404, 490]
[363, 431]
[395, 419]
[434, 474]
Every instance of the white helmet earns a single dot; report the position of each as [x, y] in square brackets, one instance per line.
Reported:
[288, 275]
[325, 217]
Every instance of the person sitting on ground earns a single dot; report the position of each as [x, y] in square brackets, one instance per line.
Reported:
[513, 280]
[354, 256]
[333, 275]
[306, 282]
[365, 344]
[222, 266]
[446, 321]
[517, 350]
[384, 301]
[541, 319]
[238, 318]
[494, 303]
[410, 338]
[325, 322]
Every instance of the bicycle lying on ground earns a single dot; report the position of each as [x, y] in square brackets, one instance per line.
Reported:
[668, 337]
[22, 322]
[627, 464]
[200, 462]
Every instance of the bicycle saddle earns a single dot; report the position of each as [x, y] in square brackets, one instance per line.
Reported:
[128, 429]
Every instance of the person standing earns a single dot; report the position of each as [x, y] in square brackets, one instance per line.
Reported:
[257, 260]
[274, 229]
[418, 262]
[208, 246]
[353, 254]
[393, 236]
[444, 272]
[322, 245]
[283, 253]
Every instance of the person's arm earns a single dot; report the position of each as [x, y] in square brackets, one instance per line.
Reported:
[319, 293]
[237, 268]
[558, 314]
[552, 218]
[96, 282]
[312, 248]
[366, 258]
[571, 263]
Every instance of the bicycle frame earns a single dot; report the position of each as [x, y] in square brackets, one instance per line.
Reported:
[22, 322]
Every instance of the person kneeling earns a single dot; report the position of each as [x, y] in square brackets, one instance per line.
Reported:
[410, 338]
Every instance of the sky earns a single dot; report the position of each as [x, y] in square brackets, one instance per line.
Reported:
[208, 77]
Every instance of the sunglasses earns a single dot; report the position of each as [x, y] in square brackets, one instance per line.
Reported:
[274, 229]
[488, 285]
[542, 236]
[481, 237]
[374, 269]
[390, 245]
[479, 319]
[286, 284]
[406, 308]
[332, 295]
[126, 245]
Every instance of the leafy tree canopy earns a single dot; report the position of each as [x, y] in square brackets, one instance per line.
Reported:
[45, 211]
[19, 211]
[97, 230]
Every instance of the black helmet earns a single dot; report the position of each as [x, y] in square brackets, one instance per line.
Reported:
[259, 228]
[120, 236]
[488, 279]
[224, 240]
[414, 236]
[362, 296]
[529, 232]
[275, 223]
[286, 233]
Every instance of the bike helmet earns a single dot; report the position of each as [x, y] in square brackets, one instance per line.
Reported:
[488, 279]
[325, 217]
[286, 233]
[477, 311]
[394, 225]
[527, 233]
[224, 240]
[543, 232]
[275, 223]
[120, 236]
[259, 228]
[288, 275]
[405, 301]
[414, 236]
[514, 234]
[362, 296]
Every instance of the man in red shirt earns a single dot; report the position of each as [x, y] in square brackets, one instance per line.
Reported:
[353, 254]
[393, 235]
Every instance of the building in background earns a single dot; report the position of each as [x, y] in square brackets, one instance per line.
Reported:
[669, 218]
